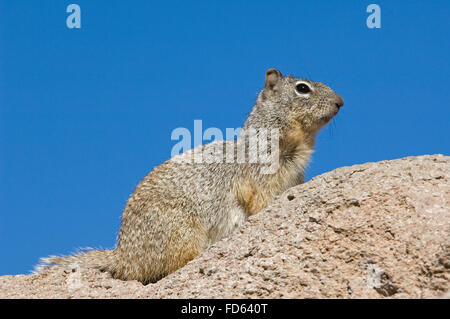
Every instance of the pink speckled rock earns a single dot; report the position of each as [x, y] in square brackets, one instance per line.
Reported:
[375, 230]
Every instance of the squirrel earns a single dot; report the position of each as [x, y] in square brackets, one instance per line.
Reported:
[182, 207]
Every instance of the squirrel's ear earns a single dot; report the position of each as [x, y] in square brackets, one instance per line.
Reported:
[273, 76]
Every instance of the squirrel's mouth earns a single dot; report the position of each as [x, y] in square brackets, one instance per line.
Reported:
[326, 118]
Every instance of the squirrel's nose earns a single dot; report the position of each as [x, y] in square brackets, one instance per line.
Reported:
[339, 101]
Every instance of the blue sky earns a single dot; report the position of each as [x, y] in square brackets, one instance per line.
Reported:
[86, 113]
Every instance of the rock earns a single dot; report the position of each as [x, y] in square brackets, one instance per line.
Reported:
[377, 230]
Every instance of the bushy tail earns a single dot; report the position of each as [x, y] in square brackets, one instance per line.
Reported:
[98, 259]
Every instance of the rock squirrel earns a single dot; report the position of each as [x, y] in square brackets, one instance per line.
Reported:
[185, 205]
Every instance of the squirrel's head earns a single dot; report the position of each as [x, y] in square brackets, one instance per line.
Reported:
[285, 99]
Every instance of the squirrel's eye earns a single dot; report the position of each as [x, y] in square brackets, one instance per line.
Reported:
[302, 88]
